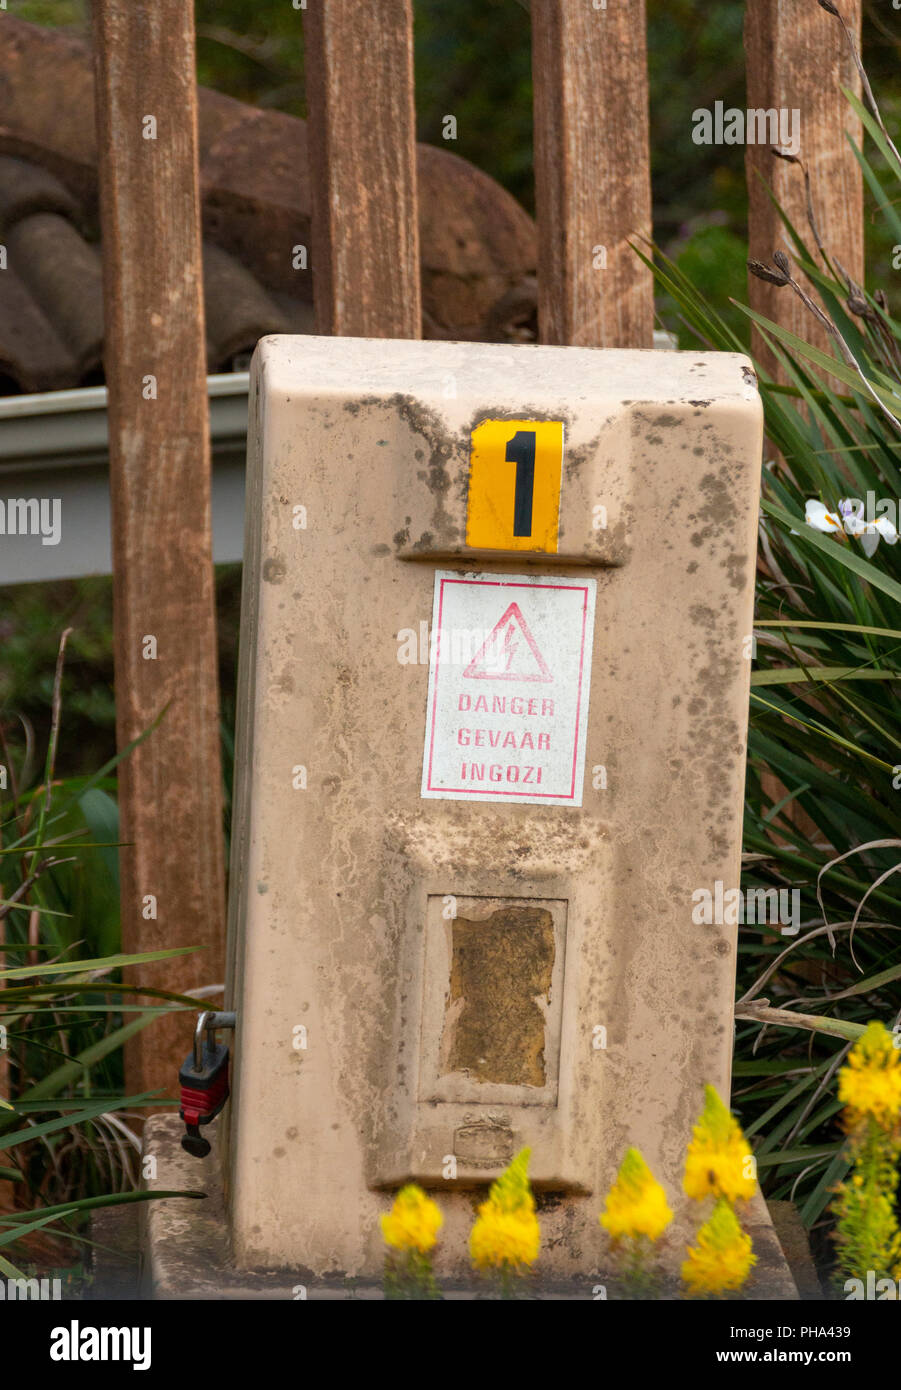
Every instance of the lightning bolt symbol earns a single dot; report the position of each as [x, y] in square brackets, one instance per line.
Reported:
[509, 645]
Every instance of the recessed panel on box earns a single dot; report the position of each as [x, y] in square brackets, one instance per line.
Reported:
[492, 995]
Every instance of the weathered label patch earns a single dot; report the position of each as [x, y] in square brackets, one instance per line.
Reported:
[509, 680]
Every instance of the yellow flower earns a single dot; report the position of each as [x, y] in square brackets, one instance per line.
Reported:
[718, 1161]
[636, 1203]
[722, 1258]
[870, 1081]
[512, 1189]
[504, 1239]
[413, 1222]
[506, 1235]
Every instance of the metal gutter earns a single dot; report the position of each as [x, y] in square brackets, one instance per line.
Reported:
[72, 424]
[54, 448]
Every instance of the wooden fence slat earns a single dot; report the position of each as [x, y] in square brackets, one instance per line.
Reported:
[592, 172]
[798, 60]
[362, 141]
[170, 788]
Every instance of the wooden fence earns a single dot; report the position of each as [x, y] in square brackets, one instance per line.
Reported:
[593, 195]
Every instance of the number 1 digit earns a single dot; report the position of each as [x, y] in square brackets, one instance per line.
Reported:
[521, 451]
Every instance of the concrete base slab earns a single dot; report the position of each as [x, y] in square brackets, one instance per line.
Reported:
[795, 1244]
[186, 1251]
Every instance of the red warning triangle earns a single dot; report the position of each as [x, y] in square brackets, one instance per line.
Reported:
[509, 653]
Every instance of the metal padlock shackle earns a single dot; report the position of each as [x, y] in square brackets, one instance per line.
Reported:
[208, 1022]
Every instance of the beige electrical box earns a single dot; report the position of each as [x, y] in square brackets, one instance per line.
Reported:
[492, 718]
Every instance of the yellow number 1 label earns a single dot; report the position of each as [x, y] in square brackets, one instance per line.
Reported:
[515, 473]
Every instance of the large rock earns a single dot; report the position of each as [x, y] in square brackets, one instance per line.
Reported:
[478, 245]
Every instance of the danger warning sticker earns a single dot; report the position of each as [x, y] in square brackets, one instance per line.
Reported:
[509, 678]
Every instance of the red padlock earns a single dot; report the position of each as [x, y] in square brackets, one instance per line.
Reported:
[203, 1079]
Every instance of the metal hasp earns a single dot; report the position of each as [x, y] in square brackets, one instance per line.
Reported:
[208, 1022]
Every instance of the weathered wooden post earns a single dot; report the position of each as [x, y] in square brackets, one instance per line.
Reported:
[164, 617]
[592, 172]
[362, 128]
[798, 61]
